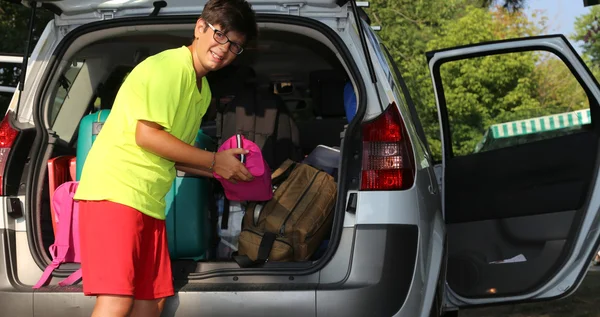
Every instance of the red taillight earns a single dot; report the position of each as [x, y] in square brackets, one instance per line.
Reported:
[8, 135]
[387, 161]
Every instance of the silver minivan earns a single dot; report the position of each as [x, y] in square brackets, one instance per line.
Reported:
[412, 236]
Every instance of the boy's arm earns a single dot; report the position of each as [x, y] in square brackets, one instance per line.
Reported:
[194, 170]
[153, 138]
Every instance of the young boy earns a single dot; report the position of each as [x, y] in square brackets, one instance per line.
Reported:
[131, 166]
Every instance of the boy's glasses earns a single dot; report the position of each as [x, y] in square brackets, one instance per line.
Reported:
[221, 38]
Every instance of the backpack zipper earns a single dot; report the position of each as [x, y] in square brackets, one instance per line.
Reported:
[282, 228]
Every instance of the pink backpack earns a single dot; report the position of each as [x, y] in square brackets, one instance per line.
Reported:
[66, 246]
[258, 189]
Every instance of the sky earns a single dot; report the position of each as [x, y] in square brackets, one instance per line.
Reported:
[561, 15]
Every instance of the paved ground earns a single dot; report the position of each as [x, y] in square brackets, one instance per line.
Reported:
[584, 303]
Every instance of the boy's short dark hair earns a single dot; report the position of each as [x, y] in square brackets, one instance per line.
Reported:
[232, 15]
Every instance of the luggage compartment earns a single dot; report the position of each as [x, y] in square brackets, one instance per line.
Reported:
[310, 94]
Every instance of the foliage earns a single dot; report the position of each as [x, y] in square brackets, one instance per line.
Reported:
[14, 23]
[587, 30]
[511, 5]
[14, 29]
[487, 90]
[480, 91]
[407, 27]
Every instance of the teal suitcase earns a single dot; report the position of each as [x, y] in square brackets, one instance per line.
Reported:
[89, 127]
[189, 231]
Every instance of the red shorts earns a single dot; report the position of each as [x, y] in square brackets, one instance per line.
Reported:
[123, 252]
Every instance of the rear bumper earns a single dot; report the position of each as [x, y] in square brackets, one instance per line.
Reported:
[380, 276]
[377, 282]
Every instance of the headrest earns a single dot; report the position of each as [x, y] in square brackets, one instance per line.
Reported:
[327, 92]
[231, 80]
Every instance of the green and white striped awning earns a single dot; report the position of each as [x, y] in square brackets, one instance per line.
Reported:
[541, 124]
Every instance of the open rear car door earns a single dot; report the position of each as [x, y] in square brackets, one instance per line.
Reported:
[520, 190]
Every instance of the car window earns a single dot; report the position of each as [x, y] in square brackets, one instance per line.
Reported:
[107, 91]
[63, 88]
[506, 100]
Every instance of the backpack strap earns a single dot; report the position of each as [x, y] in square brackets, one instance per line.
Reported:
[283, 172]
[61, 246]
[74, 277]
[225, 215]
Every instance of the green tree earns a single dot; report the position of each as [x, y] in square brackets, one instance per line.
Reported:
[407, 27]
[14, 23]
[511, 5]
[487, 90]
[479, 91]
[587, 30]
[558, 90]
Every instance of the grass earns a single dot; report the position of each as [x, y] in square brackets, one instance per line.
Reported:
[585, 302]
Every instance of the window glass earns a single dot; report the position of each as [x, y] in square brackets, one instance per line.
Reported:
[505, 100]
[64, 86]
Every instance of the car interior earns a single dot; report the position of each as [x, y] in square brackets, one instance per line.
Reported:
[312, 92]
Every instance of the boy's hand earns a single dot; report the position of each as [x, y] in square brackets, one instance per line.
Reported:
[228, 166]
[153, 138]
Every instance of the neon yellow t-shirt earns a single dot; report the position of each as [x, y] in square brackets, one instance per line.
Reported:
[161, 89]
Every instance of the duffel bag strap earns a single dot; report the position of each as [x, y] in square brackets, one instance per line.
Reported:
[264, 249]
